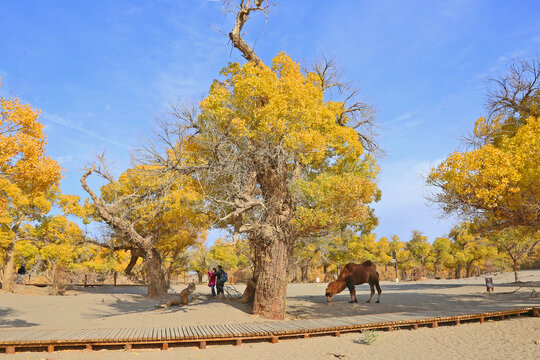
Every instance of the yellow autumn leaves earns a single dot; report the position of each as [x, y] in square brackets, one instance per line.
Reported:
[500, 179]
[280, 106]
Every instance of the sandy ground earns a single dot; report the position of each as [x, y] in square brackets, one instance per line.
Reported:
[103, 307]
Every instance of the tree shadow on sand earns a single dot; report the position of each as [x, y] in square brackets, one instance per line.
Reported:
[5, 313]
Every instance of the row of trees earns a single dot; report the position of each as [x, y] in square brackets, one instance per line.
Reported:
[462, 253]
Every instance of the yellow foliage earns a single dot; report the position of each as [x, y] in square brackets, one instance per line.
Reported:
[279, 106]
[503, 180]
[279, 112]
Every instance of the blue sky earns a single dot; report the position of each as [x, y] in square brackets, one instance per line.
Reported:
[103, 71]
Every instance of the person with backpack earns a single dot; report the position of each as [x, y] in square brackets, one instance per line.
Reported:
[221, 279]
[21, 273]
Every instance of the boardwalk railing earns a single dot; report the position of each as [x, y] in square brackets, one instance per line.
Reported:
[200, 335]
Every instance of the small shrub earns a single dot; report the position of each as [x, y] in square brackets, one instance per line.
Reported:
[369, 336]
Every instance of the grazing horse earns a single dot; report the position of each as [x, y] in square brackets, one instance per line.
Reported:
[355, 274]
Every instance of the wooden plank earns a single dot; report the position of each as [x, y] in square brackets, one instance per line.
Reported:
[169, 333]
[224, 330]
[156, 334]
[180, 331]
[114, 335]
[121, 336]
[139, 335]
[272, 327]
[217, 331]
[146, 334]
[198, 332]
[22, 336]
[205, 331]
[233, 330]
[262, 331]
[244, 330]
[108, 336]
[236, 329]
[131, 334]
[75, 335]
[189, 332]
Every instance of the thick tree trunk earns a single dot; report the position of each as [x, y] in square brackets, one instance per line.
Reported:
[8, 281]
[155, 276]
[271, 289]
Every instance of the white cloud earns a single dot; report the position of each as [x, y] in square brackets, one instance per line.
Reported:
[56, 119]
[65, 159]
[404, 116]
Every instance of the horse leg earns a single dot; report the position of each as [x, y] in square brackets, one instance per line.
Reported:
[371, 287]
[353, 296]
[352, 290]
[379, 291]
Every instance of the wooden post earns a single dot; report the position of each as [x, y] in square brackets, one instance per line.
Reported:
[536, 312]
[165, 345]
[415, 326]
[502, 317]
[50, 348]
[390, 328]
[88, 347]
[337, 334]
[274, 340]
[434, 324]
[238, 342]
[458, 322]
[10, 349]
[306, 336]
[482, 320]
[128, 347]
[202, 345]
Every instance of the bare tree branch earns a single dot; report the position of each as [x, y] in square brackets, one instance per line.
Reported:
[244, 9]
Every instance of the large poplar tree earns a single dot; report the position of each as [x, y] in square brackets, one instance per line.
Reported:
[276, 159]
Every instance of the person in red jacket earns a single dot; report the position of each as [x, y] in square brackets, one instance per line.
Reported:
[212, 280]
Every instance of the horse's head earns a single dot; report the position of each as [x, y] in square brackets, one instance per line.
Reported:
[331, 290]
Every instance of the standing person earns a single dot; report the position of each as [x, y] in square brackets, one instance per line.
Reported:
[212, 280]
[221, 279]
[21, 274]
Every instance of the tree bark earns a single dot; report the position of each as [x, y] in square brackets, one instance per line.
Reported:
[155, 277]
[515, 268]
[8, 281]
[304, 271]
[271, 289]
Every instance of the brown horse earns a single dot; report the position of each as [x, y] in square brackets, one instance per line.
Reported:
[355, 274]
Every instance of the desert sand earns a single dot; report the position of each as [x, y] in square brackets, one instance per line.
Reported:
[107, 306]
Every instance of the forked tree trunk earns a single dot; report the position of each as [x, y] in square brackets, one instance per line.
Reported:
[155, 276]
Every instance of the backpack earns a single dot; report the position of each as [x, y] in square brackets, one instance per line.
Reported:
[222, 277]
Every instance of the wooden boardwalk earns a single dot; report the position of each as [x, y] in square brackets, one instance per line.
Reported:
[12, 341]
